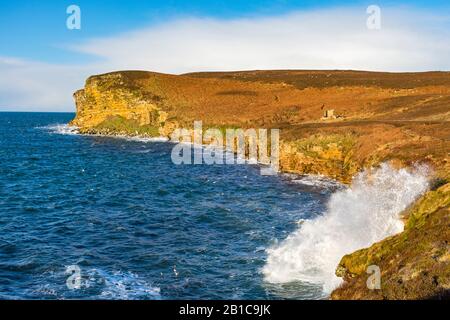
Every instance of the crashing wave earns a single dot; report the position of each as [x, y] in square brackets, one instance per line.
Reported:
[357, 217]
[61, 129]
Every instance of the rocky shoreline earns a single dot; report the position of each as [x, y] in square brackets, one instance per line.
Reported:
[415, 264]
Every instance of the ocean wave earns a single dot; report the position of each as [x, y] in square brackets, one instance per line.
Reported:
[61, 129]
[144, 139]
[356, 217]
[66, 129]
[95, 283]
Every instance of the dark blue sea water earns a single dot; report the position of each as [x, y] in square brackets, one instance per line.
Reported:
[136, 225]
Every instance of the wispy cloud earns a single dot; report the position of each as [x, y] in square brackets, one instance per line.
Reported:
[409, 40]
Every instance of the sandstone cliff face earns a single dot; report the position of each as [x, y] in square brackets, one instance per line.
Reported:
[147, 104]
[379, 125]
[330, 155]
[113, 104]
[386, 117]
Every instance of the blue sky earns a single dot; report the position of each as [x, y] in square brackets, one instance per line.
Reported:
[36, 48]
[36, 29]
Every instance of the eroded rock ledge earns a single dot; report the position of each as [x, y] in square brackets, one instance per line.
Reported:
[383, 117]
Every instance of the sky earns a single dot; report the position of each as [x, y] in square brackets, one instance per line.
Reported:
[42, 62]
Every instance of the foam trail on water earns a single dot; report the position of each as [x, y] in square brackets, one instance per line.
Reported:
[356, 217]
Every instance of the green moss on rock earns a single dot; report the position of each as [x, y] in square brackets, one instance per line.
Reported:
[120, 126]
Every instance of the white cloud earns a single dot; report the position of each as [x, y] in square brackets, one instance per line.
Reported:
[30, 85]
[330, 39]
[409, 40]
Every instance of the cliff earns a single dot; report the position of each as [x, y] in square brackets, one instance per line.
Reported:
[377, 117]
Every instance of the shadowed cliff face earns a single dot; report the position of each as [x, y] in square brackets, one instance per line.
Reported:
[378, 117]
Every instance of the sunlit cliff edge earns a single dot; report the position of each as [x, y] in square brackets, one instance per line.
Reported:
[333, 123]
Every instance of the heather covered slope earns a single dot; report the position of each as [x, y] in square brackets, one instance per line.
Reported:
[368, 95]
[377, 117]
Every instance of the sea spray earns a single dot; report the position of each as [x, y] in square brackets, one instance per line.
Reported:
[356, 217]
[61, 129]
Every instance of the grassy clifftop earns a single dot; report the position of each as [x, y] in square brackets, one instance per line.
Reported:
[402, 118]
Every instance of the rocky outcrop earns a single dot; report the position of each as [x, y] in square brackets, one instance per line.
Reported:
[388, 117]
[113, 104]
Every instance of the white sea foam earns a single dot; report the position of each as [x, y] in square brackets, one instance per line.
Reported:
[61, 129]
[123, 285]
[71, 130]
[356, 217]
[314, 181]
[145, 139]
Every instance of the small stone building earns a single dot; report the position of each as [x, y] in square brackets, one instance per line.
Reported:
[328, 114]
